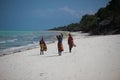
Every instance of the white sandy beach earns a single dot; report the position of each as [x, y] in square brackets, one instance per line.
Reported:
[94, 58]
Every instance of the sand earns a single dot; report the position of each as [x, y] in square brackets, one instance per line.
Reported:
[94, 58]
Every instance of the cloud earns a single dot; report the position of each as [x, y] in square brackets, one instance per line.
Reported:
[70, 11]
[76, 13]
[42, 13]
[63, 11]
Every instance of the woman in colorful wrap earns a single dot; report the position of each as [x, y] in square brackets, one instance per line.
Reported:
[70, 42]
[60, 45]
[43, 46]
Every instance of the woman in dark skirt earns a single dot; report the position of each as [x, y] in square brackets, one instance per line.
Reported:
[60, 45]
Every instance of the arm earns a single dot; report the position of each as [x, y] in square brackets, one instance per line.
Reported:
[62, 35]
[57, 36]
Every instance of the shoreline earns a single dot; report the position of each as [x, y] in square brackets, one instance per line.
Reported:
[23, 48]
[15, 50]
[20, 49]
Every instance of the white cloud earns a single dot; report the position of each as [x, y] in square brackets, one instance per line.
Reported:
[75, 13]
[42, 13]
[62, 11]
[71, 12]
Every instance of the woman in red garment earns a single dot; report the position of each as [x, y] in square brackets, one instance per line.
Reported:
[70, 42]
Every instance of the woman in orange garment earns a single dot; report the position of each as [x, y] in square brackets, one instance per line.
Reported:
[43, 46]
[60, 45]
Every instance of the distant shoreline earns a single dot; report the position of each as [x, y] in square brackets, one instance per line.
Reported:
[13, 50]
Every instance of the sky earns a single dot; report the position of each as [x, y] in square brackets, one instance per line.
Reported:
[44, 14]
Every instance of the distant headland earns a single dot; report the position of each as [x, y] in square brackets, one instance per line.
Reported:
[105, 21]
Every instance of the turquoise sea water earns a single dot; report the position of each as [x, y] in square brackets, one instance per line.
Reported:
[14, 41]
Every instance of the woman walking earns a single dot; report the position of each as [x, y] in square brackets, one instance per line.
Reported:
[70, 42]
[43, 46]
[60, 45]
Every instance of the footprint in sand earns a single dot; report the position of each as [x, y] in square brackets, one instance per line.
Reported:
[42, 74]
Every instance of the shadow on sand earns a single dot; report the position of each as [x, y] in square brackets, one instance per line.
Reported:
[66, 52]
[52, 56]
[45, 55]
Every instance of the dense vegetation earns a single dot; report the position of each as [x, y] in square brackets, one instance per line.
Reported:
[105, 21]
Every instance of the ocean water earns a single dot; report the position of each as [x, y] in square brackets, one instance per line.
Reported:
[16, 41]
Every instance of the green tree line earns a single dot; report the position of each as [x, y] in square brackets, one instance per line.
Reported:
[105, 21]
